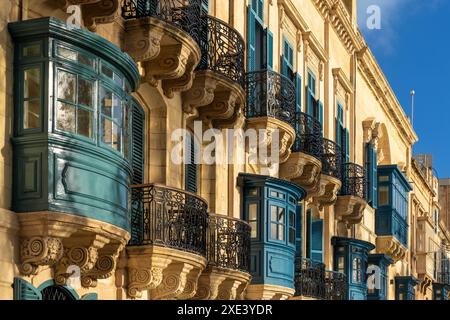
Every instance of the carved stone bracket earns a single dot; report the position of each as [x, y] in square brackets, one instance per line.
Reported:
[268, 292]
[200, 94]
[103, 11]
[208, 285]
[328, 190]
[303, 170]
[39, 251]
[167, 273]
[167, 53]
[349, 210]
[372, 132]
[390, 246]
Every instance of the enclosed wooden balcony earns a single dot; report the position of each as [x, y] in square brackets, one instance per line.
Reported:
[228, 251]
[163, 36]
[313, 282]
[330, 177]
[217, 95]
[167, 251]
[304, 164]
[271, 106]
[351, 201]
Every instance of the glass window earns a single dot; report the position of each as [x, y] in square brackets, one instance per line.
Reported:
[32, 51]
[383, 195]
[291, 227]
[357, 270]
[253, 219]
[31, 98]
[75, 104]
[277, 223]
[75, 56]
[111, 119]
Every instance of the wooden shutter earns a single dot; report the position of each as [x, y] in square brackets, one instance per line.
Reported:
[191, 167]
[321, 113]
[308, 234]
[90, 296]
[24, 290]
[137, 143]
[317, 240]
[299, 91]
[372, 176]
[251, 45]
[347, 146]
[269, 45]
[205, 7]
[299, 232]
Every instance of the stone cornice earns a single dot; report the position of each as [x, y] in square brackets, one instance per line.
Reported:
[379, 85]
[311, 41]
[288, 8]
[423, 179]
[340, 76]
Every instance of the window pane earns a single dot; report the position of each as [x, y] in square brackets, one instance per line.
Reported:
[254, 226]
[31, 114]
[33, 50]
[117, 110]
[85, 92]
[106, 131]
[106, 101]
[67, 53]
[273, 231]
[281, 215]
[118, 79]
[252, 212]
[281, 232]
[107, 71]
[125, 130]
[291, 219]
[65, 117]
[32, 83]
[117, 137]
[273, 213]
[383, 196]
[291, 235]
[66, 86]
[85, 121]
[85, 60]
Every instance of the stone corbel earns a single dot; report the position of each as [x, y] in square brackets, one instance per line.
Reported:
[143, 40]
[79, 252]
[39, 251]
[299, 41]
[191, 286]
[141, 279]
[183, 83]
[200, 94]
[228, 290]
[221, 108]
[102, 11]
[208, 285]
[175, 278]
[170, 64]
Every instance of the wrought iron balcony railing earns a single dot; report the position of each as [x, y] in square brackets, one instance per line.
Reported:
[335, 285]
[308, 135]
[223, 49]
[184, 14]
[270, 94]
[443, 278]
[228, 243]
[313, 281]
[353, 180]
[168, 217]
[309, 278]
[331, 159]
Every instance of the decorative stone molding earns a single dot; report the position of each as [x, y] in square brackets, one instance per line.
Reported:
[221, 284]
[214, 98]
[391, 247]
[328, 189]
[100, 12]
[167, 53]
[270, 125]
[268, 292]
[303, 170]
[372, 132]
[349, 210]
[200, 94]
[39, 251]
[167, 273]
[62, 240]
[425, 282]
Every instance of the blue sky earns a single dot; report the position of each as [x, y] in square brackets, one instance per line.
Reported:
[413, 49]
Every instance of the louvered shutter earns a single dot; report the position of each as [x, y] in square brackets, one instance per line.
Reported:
[24, 290]
[137, 144]
[251, 45]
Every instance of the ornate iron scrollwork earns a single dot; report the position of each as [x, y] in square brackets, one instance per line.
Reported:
[168, 217]
[228, 243]
[270, 94]
[223, 49]
[184, 14]
[331, 159]
[308, 135]
[335, 285]
[353, 180]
